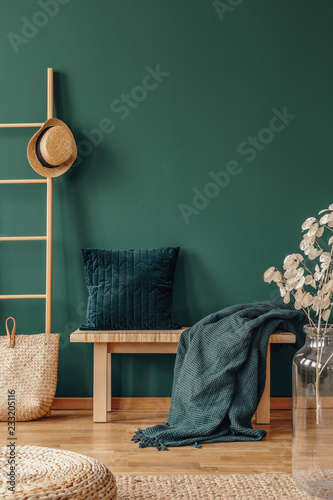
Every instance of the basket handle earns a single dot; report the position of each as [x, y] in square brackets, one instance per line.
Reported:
[11, 337]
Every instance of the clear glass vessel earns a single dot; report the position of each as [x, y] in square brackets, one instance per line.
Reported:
[312, 449]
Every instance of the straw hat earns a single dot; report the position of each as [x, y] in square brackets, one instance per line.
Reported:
[52, 150]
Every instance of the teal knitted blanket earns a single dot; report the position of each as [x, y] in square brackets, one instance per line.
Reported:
[219, 376]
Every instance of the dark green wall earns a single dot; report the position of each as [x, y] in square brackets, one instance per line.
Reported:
[227, 72]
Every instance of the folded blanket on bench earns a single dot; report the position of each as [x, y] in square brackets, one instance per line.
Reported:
[219, 375]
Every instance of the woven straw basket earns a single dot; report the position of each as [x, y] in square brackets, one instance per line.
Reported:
[28, 374]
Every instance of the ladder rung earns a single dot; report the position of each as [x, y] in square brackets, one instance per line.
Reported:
[40, 296]
[24, 181]
[20, 125]
[23, 238]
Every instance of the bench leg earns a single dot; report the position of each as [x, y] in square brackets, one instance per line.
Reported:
[109, 384]
[264, 407]
[100, 382]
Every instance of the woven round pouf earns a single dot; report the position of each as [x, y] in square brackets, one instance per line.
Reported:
[47, 473]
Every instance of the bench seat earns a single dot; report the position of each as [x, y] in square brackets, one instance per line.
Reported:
[151, 342]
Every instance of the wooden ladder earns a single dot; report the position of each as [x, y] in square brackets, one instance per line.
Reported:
[49, 215]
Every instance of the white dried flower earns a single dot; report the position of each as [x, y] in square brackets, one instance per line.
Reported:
[309, 238]
[328, 287]
[315, 305]
[299, 294]
[295, 276]
[326, 209]
[313, 229]
[292, 260]
[325, 260]
[325, 257]
[324, 266]
[291, 284]
[320, 303]
[277, 277]
[293, 272]
[289, 261]
[314, 253]
[326, 219]
[307, 250]
[308, 223]
[295, 283]
[307, 243]
[301, 282]
[318, 276]
[268, 275]
[305, 246]
[307, 300]
[326, 314]
[308, 279]
[325, 302]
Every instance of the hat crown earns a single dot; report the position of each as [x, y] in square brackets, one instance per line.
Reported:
[56, 145]
[52, 150]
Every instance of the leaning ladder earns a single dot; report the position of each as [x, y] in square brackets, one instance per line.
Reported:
[49, 216]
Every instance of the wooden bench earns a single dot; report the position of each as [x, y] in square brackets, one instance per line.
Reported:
[149, 341]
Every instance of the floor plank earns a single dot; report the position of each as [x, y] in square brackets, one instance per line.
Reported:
[111, 444]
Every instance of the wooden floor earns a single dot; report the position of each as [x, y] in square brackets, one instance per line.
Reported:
[111, 444]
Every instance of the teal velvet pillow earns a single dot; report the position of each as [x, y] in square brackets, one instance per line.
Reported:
[129, 289]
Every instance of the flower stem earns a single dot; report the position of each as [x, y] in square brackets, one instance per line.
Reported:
[326, 324]
[326, 362]
[317, 371]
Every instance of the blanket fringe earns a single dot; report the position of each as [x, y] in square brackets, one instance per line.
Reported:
[145, 441]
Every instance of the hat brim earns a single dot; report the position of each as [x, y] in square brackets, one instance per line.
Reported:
[32, 154]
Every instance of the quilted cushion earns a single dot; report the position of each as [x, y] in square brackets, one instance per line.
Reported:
[129, 289]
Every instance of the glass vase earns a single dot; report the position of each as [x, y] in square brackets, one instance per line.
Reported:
[312, 448]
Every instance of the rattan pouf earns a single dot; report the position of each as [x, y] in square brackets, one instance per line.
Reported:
[48, 473]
